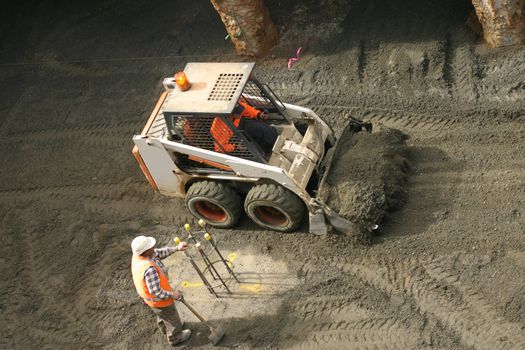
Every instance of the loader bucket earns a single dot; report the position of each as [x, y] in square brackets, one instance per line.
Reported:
[317, 221]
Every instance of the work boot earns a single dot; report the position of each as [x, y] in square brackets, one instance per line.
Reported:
[162, 326]
[182, 337]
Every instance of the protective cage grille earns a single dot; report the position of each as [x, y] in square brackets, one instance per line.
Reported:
[197, 131]
[253, 95]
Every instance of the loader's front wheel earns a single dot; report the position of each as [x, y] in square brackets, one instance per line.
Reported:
[274, 207]
[214, 202]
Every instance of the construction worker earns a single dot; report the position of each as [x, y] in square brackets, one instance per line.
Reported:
[247, 118]
[151, 280]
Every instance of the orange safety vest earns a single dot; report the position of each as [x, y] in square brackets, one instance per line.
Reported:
[139, 265]
[222, 133]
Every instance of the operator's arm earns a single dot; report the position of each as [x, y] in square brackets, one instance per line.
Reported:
[153, 283]
[163, 253]
[249, 111]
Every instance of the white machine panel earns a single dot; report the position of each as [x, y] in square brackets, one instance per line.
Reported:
[160, 166]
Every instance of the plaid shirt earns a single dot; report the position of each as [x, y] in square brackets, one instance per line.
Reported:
[152, 277]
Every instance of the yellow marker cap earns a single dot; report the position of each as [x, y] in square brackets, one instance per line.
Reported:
[177, 240]
[207, 236]
[187, 227]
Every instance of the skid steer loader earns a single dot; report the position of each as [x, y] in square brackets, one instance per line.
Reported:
[179, 156]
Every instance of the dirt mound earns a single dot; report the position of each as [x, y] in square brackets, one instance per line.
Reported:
[368, 178]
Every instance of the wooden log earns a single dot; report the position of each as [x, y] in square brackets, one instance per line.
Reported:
[503, 21]
[249, 25]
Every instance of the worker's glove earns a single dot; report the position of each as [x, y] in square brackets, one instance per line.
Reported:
[263, 116]
[177, 295]
[182, 246]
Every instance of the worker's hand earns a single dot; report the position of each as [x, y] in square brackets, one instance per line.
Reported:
[182, 246]
[264, 116]
[177, 295]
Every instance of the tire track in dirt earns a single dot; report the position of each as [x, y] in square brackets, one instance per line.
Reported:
[361, 61]
[337, 307]
[463, 66]
[462, 76]
[102, 133]
[69, 155]
[111, 190]
[411, 123]
[42, 277]
[93, 315]
[405, 121]
[448, 74]
[369, 65]
[335, 322]
[436, 291]
[29, 288]
[360, 317]
[122, 200]
[74, 324]
[18, 283]
[378, 333]
[83, 322]
[286, 80]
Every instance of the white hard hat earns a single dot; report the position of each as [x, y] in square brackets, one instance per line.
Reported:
[142, 243]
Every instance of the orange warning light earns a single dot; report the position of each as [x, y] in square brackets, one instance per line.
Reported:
[182, 81]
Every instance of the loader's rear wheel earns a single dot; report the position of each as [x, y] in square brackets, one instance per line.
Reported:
[214, 202]
[274, 207]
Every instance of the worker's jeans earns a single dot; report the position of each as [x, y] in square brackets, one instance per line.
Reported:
[169, 323]
[260, 132]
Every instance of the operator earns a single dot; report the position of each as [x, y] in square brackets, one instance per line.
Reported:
[249, 119]
[151, 280]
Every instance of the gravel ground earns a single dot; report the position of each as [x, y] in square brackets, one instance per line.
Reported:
[444, 271]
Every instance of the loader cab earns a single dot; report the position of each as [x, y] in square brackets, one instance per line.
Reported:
[195, 130]
[216, 89]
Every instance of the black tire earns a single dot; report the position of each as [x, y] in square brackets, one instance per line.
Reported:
[274, 207]
[214, 202]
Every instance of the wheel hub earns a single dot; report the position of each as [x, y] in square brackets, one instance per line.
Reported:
[270, 215]
[211, 211]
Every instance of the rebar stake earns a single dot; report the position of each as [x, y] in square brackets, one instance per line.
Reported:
[199, 248]
[208, 237]
[207, 262]
[198, 270]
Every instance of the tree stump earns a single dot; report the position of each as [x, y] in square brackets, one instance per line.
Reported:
[249, 25]
[503, 21]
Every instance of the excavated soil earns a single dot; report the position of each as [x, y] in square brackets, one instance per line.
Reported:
[368, 177]
[446, 270]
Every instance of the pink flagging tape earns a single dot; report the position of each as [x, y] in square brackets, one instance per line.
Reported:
[291, 61]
